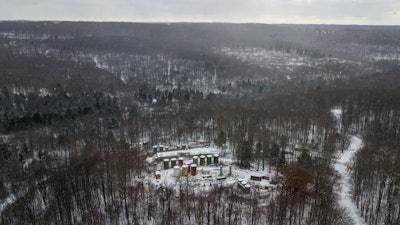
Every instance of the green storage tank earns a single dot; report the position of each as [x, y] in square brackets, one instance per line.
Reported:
[209, 159]
[166, 164]
[173, 162]
[196, 160]
[216, 158]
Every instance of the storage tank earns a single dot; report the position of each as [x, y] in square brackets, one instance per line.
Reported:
[196, 160]
[161, 147]
[220, 171]
[155, 148]
[209, 159]
[216, 158]
[177, 171]
[180, 161]
[185, 170]
[166, 163]
[202, 160]
[193, 169]
[173, 162]
[166, 148]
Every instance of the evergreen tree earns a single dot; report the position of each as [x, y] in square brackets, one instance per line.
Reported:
[221, 139]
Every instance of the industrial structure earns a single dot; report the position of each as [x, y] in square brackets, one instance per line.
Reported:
[203, 167]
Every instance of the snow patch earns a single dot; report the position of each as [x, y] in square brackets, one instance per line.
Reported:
[43, 92]
[99, 64]
[27, 162]
[266, 57]
[8, 201]
[6, 137]
[21, 91]
[150, 160]
[337, 112]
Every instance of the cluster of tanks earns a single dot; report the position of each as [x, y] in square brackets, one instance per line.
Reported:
[199, 165]
[182, 169]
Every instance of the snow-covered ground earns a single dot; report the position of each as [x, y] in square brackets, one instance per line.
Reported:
[343, 167]
[204, 183]
[8, 201]
[266, 57]
[278, 58]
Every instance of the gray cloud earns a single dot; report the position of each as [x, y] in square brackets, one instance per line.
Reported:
[260, 11]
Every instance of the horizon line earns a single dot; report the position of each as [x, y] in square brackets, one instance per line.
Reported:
[197, 22]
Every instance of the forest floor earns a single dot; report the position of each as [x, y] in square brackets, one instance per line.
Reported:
[343, 167]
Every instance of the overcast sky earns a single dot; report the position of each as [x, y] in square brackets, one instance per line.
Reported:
[374, 12]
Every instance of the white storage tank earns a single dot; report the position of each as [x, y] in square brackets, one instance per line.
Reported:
[177, 171]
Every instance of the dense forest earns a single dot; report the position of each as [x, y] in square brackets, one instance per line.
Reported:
[81, 104]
